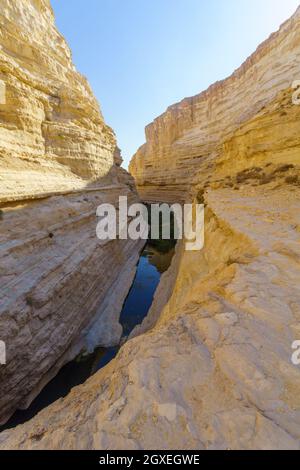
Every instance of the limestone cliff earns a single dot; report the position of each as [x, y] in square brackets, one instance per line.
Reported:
[58, 162]
[210, 367]
[184, 143]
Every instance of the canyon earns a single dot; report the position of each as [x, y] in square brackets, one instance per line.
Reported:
[210, 366]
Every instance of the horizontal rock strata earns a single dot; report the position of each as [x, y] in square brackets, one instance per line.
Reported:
[61, 290]
[183, 144]
[210, 367]
[215, 370]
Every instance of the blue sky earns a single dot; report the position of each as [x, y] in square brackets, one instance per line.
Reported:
[140, 56]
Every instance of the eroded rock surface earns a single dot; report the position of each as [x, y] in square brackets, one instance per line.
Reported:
[61, 290]
[215, 371]
[210, 367]
[183, 144]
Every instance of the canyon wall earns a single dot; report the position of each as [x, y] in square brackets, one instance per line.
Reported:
[183, 144]
[61, 290]
[211, 366]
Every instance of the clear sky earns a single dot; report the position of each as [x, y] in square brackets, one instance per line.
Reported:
[140, 56]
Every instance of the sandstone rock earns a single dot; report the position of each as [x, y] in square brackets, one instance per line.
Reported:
[61, 290]
[210, 367]
[215, 370]
[183, 144]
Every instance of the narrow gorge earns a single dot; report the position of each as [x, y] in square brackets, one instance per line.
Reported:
[210, 366]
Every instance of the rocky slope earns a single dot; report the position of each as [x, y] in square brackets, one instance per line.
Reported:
[210, 367]
[60, 289]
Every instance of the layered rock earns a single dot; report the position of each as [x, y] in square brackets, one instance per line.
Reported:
[61, 290]
[210, 367]
[182, 144]
[215, 370]
[53, 136]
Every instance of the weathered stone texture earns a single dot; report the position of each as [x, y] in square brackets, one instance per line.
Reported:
[61, 290]
[183, 144]
[210, 367]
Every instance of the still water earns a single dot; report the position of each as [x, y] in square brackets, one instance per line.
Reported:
[154, 260]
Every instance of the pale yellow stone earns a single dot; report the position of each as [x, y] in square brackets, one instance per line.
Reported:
[184, 143]
[210, 367]
[61, 291]
[2, 92]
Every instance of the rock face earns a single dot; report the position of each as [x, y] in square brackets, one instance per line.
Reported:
[51, 126]
[61, 289]
[215, 370]
[184, 143]
[210, 367]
